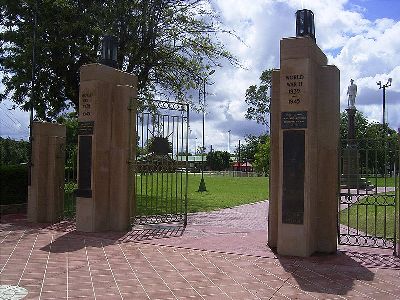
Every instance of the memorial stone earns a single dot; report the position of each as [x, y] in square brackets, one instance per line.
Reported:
[106, 125]
[304, 148]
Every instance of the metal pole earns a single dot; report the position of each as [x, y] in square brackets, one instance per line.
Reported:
[229, 141]
[204, 115]
[202, 185]
[31, 104]
[239, 163]
[384, 105]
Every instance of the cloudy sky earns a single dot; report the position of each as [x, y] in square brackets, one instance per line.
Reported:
[360, 37]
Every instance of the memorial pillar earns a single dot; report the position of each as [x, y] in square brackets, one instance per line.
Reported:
[46, 192]
[304, 150]
[105, 125]
[274, 166]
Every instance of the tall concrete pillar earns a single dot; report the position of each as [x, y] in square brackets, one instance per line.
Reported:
[105, 123]
[46, 192]
[304, 150]
[274, 156]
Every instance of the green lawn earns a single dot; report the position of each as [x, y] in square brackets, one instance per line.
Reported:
[390, 181]
[373, 215]
[157, 193]
[225, 191]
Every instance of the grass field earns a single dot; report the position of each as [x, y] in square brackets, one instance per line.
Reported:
[374, 216]
[225, 191]
[389, 181]
[157, 193]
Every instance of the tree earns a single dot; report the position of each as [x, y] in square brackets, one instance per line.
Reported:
[377, 144]
[170, 44]
[258, 99]
[13, 152]
[261, 162]
[159, 145]
[360, 122]
[218, 160]
[248, 149]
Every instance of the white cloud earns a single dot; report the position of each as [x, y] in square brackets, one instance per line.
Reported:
[363, 49]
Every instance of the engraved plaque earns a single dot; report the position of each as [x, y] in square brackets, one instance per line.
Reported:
[293, 176]
[293, 119]
[85, 128]
[85, 167]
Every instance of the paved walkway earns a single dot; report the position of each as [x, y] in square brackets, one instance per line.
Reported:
[220, 255]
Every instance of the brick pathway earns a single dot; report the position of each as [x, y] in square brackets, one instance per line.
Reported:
[220, 255]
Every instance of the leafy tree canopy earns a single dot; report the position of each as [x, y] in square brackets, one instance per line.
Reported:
[258, 99]
[13, 152]
[248, 149]
[261, 162]
[218, 160]
[169, 44]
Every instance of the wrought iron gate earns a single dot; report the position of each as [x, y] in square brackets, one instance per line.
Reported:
[369, 193]
[160, 164]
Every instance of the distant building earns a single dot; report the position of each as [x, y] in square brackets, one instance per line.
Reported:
[194, 162]
[244, 167]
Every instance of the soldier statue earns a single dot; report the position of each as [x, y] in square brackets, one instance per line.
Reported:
[352, 93]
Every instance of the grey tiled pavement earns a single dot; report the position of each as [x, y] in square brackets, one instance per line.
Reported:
[220, 255]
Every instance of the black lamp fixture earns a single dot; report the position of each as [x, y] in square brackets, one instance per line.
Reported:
[305, 23]
[109, 48]
[383, 87]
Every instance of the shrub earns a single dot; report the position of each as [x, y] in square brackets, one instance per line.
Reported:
[14, 184]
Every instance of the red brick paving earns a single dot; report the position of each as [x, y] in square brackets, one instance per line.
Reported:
[220, 255]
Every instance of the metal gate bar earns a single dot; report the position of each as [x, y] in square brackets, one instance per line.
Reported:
[368, 200]
[160, 168]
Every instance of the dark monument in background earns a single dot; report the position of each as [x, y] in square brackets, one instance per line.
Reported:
[351, 178]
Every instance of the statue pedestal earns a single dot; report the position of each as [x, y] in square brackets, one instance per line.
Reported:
[351, 178]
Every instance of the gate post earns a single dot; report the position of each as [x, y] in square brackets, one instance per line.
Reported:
[304, 153]
[46, 192]
[103, 148]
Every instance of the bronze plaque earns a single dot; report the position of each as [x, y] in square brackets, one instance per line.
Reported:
[293, 119]
[85, 167]
[85, 128]
[293, 176]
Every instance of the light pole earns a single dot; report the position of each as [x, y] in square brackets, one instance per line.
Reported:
[383, 87]
[202, 185]
[229, 141]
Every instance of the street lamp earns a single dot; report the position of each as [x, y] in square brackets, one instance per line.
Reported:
[383, 87]
[202, 185]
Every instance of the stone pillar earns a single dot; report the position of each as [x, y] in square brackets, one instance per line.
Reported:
[304, 146]
[274, 166]
[105, 124]
[351, 178]
[46, 192]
